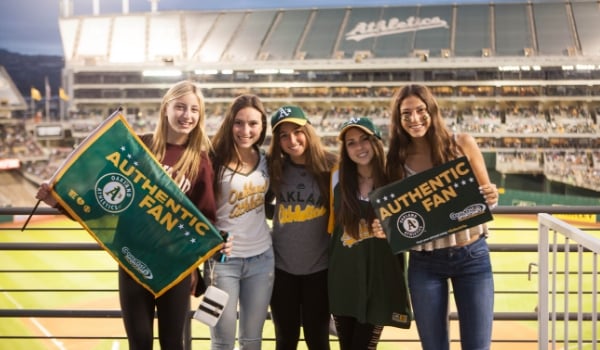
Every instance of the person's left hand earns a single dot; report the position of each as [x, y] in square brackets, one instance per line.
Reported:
[227, 247]
[490, 193]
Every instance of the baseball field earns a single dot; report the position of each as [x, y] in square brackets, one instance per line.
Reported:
[87, 280]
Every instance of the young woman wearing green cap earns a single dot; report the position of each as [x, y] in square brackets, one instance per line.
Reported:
[367, 282]
[299, 168]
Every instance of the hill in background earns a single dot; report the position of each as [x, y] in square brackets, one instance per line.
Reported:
[29, 71]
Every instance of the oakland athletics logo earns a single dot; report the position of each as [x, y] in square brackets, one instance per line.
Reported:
[114, 192]
[411, 224]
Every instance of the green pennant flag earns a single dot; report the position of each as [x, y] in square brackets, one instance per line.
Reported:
[430, 205]
[115, 188]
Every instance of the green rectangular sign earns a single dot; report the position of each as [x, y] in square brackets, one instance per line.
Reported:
[430, 205]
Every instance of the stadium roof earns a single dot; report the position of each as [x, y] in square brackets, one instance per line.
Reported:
[489, 34]
[10, 97]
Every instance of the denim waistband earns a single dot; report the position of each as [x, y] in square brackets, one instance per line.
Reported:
[448, 249]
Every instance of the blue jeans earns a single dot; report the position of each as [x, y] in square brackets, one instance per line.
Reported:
[248, 281]
[470, 271]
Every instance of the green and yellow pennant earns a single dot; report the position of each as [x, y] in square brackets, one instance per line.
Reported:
[115, 188]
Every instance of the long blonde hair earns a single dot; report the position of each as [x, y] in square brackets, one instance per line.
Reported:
[198, 142]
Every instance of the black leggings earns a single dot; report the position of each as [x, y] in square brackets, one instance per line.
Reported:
[354, 335]
[300, 300]
[137, 305]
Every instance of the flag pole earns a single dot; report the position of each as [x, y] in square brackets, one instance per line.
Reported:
[30, 215]
[47, 88]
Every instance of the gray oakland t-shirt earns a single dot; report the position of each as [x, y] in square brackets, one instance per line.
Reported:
[300, 237]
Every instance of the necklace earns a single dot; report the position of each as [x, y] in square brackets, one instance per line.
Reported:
[365, 184]
[364, 188]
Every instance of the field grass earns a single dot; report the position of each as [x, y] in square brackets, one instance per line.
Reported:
[81, 263]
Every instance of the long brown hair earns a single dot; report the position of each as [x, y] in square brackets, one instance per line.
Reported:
[188, 164]
[319, 161]
[443, 146]
[224, 147]
[349, 214]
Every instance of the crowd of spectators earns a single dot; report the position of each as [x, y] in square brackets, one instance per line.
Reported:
[560, 143]
[16, 142]
[575, 168]
[363, 90]
[520, 161]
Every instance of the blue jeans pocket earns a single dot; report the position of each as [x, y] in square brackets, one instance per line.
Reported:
[478, 248]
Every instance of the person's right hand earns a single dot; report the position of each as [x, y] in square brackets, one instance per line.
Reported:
[44, 195]
[378, 229]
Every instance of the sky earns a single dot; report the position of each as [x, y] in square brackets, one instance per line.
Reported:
[31, 26]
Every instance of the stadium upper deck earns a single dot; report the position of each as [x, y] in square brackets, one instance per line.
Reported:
[505, 60]
[545, 33]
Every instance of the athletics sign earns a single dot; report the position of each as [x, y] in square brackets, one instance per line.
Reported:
[430, 205]
[114, 187]
[364, 30]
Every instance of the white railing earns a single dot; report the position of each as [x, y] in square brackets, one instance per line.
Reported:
[559, 242]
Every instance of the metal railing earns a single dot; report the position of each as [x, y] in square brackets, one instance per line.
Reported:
[527, 316]
[562, 241]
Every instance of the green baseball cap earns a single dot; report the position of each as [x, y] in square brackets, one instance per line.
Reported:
[362, 123]
[292, 114]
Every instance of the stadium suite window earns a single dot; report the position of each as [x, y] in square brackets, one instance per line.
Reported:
[87, 78]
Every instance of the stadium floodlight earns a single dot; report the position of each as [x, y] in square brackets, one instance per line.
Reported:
[206, 71]
[525, 68]
[568, 67]
[509, 68]
[227, 71]
[162, 73]
[286, 71]
[585, 67]
[266, 71]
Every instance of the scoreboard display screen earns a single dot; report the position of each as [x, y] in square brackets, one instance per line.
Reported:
[9, 163]
[49, 131]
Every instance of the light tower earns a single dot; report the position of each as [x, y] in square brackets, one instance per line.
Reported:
[154, 5]
[66, 8]
[96, 7]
